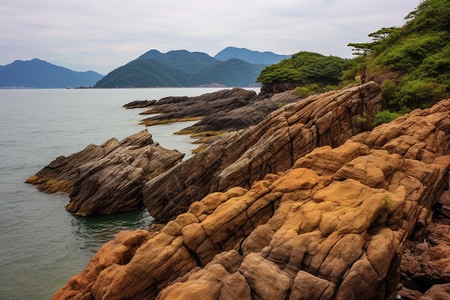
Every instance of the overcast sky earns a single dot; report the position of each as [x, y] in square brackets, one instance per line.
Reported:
[102, 35]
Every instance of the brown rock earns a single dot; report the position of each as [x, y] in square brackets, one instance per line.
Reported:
[437, 292]
[302, 228]
[118, 251]
[107, 178]
[272, 145]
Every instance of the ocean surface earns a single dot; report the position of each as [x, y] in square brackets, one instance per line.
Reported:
[41, 244]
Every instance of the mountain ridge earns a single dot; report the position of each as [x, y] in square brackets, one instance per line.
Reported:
[250, 56]
[182, 68]
[37, 73]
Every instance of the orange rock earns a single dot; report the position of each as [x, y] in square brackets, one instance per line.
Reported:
[330, 230]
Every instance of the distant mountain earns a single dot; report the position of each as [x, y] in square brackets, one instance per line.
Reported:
[181, 59]
[179, 68]
[233, 72]
[37, 73]
[250, 56]
[144, 73]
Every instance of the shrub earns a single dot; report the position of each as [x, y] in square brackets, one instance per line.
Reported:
[385, 116]
[417, 93]
[388, 88]
[362, 119]
[302, 91]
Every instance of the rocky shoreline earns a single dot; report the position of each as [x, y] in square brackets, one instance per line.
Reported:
[107, 178]
[334, 226]
[300, 202]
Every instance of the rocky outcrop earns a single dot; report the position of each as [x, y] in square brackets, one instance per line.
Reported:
[180, 108]
[425, 267]
[245, 116]
[139, 104]
[273, 145]
[332, 227]
[274, 88]
[118, 251]
[224, 110]
[107, 178]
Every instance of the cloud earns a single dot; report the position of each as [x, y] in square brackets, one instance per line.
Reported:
[103, 35]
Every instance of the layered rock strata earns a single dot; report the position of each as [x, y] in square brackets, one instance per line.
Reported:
[179, 108]
[332, 227]
[273, 145]
[107, 178]
[224, 110]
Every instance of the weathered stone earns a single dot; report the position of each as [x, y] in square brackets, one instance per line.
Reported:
[273, 145]
[107, 178]
[302, 228]
[118, 251]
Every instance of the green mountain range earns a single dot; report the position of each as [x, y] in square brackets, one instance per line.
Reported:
[250, 56]
[181, 68]
[37, 73]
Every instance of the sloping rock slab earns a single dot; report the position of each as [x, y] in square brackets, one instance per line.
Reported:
[224, 110]
[208, 104]
[272, 145]
[332, 227]
[107, 178]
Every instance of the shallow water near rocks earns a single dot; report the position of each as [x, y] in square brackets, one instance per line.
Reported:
[41, 244]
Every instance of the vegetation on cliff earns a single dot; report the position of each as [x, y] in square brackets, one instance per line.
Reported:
[411, 62]
[311, 72]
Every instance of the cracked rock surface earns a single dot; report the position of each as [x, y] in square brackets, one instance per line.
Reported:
[273, 145]
[331, 227]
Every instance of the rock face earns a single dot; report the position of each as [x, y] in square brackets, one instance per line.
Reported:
[225, 110]
[425, 266]
[107, 178]
[139, 104]
[273, 145]
[274, 88]
[332, 227]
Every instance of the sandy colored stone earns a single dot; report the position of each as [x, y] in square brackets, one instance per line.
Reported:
[304, 227]
[274, 144]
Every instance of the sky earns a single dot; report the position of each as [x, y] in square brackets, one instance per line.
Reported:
[102, 35]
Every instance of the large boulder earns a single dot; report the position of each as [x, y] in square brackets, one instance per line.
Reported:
[107, 178]
[273, 145]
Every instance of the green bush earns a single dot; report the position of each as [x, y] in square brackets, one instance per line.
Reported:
[388, 88]
[417, 93]
[303, 91]
[385, 116]
[362, 119]
[305, 68]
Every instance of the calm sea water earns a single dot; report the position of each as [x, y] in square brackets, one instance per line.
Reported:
[41, 244]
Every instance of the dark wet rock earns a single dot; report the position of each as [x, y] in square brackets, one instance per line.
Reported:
[274, 88]
[107, 178]
[140, 103]
[224, 110]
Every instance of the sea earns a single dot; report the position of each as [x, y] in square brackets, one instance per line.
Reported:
[41, 244]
